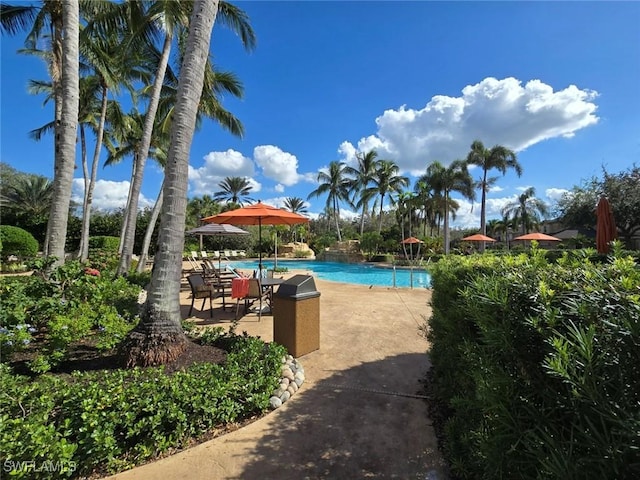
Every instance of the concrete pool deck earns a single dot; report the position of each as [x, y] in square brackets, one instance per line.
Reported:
[357, 415]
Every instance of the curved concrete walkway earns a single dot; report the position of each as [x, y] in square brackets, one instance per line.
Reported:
[358, 414]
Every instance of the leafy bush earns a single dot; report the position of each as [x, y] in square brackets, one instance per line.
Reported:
[302, 253]
[115, 419]
[104, 243]
[536, 366]
[74, 304]
[18, 242]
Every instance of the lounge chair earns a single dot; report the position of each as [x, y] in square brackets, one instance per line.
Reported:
[200, 289]
[254, 294]
[204, 254]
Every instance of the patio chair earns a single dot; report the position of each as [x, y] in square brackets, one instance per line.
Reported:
[254, 294]
[200, 289]
[203, 254]
[193, 264]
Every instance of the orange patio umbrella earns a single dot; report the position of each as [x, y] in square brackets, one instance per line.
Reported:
[606, 230]
[478, 237]
[540, 237]
[257, 214]
[412, 240]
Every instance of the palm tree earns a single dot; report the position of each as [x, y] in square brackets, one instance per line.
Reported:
[235, 190]
[504, 226]
[445, 180]
[172, 18]
[492, 227]
[65, 154]
[526, 211]
[386, 181]
[296, 205]
[159, 337]
[28, 195]
[336, 185]
[200, 207]
[363, 176]
[497, 157]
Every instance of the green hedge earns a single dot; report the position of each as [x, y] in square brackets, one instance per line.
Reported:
[536, 366]
[17, 241]
[111, 420]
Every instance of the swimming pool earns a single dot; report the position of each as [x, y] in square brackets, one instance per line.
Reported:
[346, 272]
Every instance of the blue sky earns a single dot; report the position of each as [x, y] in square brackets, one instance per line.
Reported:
[419, 81]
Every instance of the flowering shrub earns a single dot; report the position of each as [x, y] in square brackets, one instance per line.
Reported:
[75, 303]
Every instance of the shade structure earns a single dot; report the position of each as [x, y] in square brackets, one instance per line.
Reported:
[541, 237]
[606, 230]
[412, 240]
[216, 229]
[257, 214]
[478, 237]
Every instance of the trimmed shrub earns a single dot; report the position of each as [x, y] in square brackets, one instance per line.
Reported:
[536, 366]
[17, 241]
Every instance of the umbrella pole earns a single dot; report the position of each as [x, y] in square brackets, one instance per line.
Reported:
[259, 247]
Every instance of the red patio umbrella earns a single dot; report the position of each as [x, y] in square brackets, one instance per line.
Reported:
[606, 230]
[478, 237]
[541, 237]
[257, 214]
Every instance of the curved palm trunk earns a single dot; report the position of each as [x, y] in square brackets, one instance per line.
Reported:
[85, 176]
[483, 203]
[142, 153]
[155, 213]
[446, 223]
[159, 338]
[125, 213]
[66, 130]
[90, 185]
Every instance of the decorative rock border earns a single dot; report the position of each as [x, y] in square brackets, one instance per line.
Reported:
[292, 379]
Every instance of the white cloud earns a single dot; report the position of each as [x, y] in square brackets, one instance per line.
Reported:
[276, 164]
[555, 194]
[279, 188]
[218, 165]
[495, 111]
[107, 195]
[496, 189]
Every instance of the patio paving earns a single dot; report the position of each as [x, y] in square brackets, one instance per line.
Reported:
[358, 414]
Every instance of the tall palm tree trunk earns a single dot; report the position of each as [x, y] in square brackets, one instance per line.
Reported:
[155, 213]
[159, 338]
[142, 153]
[446, 223]
[336, 215]
[365, 207]
[66, 129]
[380, 220]
[90, 185]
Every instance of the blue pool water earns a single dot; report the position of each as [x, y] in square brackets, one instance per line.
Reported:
[346, 272]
